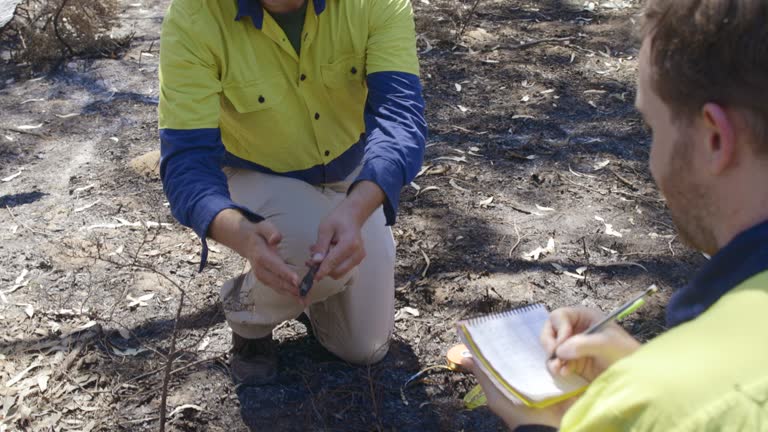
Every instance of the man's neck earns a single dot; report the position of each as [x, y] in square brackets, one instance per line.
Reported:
[745, 205]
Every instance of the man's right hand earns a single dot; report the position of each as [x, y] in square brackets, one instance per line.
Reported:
[256, 242]
[581, 354]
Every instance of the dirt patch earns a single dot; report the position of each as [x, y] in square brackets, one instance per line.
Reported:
[147, 165]
[533, 137]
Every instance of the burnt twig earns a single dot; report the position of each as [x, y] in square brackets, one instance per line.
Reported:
[56, 27]
[169, 365]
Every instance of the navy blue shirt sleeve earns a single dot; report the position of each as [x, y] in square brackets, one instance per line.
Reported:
[196, 187]
[396, 135]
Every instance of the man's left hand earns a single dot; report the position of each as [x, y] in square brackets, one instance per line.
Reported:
[339, 246]
[515, 415]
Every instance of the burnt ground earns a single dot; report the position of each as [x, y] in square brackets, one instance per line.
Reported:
[533, 137]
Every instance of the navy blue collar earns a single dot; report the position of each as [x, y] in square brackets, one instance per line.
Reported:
[745, 256]
[252, 9]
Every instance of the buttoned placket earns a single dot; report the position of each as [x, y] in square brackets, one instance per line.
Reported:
[309, 32]
[311, 23]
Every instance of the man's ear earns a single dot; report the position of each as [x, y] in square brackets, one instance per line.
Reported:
[721, 137]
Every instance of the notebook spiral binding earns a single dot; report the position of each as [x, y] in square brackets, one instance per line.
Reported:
[505, 314]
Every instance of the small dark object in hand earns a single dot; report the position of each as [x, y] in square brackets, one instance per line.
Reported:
[309, 279]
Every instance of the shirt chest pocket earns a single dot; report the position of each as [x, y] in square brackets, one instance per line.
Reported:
[346, 72]
[255, 96]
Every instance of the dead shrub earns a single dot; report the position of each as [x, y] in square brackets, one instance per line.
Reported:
[45, 32]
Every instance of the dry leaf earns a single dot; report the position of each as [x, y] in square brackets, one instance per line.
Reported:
[29, 127]
[412, 311]
[601, 165]
[462, 108]
[21, 374]
[42, 382]
[581, 270]
[426, 267]
[452, 182]
[427, 189]
[140, 301]
[118, 251]
[485, 202]
[458, 87]
[87, 206]
[185, 407]
[204, 344]
[28, 309]
[451, 158]
[66, 116]
[8, 402]
[535, 254]
[423, 170]
[85, 326]
[612, 232]
[83, 189]
[129, 352]
[574, 275]
[21, 277]
[55, 326]
[437, 170]
[525, 98]
[11, 177]
[545, 209]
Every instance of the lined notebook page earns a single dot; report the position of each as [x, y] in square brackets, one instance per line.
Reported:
[510, 342]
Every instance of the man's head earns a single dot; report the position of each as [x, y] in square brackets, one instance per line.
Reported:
[703, 90]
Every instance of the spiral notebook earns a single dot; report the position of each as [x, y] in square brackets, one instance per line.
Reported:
[507, 347]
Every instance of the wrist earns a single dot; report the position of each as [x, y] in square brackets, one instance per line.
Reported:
[227, 228]
[364, 198]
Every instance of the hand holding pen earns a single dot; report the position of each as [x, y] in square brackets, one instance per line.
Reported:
[585, 341]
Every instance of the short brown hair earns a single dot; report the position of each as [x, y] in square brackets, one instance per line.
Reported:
[711, 51]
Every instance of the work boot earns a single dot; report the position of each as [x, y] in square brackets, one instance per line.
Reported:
[254, 361]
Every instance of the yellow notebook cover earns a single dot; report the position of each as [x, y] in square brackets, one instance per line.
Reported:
[507, 347]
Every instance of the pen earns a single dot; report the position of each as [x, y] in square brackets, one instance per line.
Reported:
[620, 313]
[309, 278]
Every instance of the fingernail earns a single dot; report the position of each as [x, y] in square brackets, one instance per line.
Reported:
[317, 257]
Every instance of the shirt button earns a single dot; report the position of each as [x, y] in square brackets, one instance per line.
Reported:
[327, 153]
[317, 116]
[354, 70]
[261, 99]
[303, 77]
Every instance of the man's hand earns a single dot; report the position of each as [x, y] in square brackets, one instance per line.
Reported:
[512, 414]
[256, 242]
[339, 245]
[585, 355]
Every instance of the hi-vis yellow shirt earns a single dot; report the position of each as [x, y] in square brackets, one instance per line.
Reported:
[279, 109]
[709, 374]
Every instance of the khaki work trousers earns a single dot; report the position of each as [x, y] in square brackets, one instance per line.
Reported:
[352, 317]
